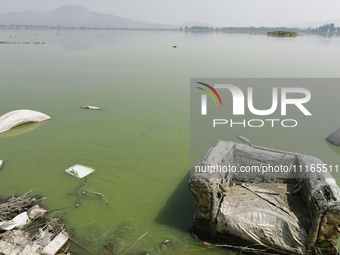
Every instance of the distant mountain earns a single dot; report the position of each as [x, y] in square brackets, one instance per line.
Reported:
[315, 24]
[74, 16]
[195, 23]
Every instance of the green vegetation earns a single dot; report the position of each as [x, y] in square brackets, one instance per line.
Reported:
[282, 33]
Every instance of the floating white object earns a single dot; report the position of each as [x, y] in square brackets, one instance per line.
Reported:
[35, 211]
[19, 117]
[55, 245]
[244, 139]
[17, 221]
[1, 163]
[79, 171]
[90, 107]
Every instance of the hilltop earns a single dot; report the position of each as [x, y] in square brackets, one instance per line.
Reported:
[74, 16]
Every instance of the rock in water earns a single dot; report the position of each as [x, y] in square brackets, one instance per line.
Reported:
[19, 117]
[89, 107]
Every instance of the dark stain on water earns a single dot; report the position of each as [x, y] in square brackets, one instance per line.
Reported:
[118, 236]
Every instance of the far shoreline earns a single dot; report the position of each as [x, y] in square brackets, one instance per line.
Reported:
[256, 32]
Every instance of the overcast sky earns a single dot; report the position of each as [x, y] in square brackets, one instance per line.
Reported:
[215, 12]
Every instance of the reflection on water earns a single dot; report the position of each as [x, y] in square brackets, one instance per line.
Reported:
[328, 35]
[334, 148]
[22, 129]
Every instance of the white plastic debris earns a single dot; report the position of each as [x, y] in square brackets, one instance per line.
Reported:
[35, 211]
[55, 245]
[79, 171]
[18, 221]
[43, 239]
[90, 107]
[19, 117]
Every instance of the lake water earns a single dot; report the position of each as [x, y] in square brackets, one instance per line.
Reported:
[140, 81]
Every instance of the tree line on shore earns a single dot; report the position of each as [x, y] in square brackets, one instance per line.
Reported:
[326, 28]
[329, 27]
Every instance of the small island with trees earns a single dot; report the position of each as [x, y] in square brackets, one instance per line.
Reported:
[282, 33]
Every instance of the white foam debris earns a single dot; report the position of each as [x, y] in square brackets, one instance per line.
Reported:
[79, 171]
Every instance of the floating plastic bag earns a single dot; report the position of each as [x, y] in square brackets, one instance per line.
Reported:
[35, 211]
[43, 238]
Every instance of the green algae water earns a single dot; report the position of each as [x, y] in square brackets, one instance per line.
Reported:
[142, 84]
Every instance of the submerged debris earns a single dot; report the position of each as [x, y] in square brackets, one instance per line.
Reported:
[147, 131]
[243, 139]
[166, 242]
[135, 242]
[114, 243]
[83, 192]
[90, 107]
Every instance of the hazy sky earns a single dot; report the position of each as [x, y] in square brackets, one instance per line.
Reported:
[214, 12]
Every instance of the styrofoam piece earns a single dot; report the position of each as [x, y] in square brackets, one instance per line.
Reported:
[19, 117]
[31, 249]
[55, 245]
[79, 171]
[17, 221]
